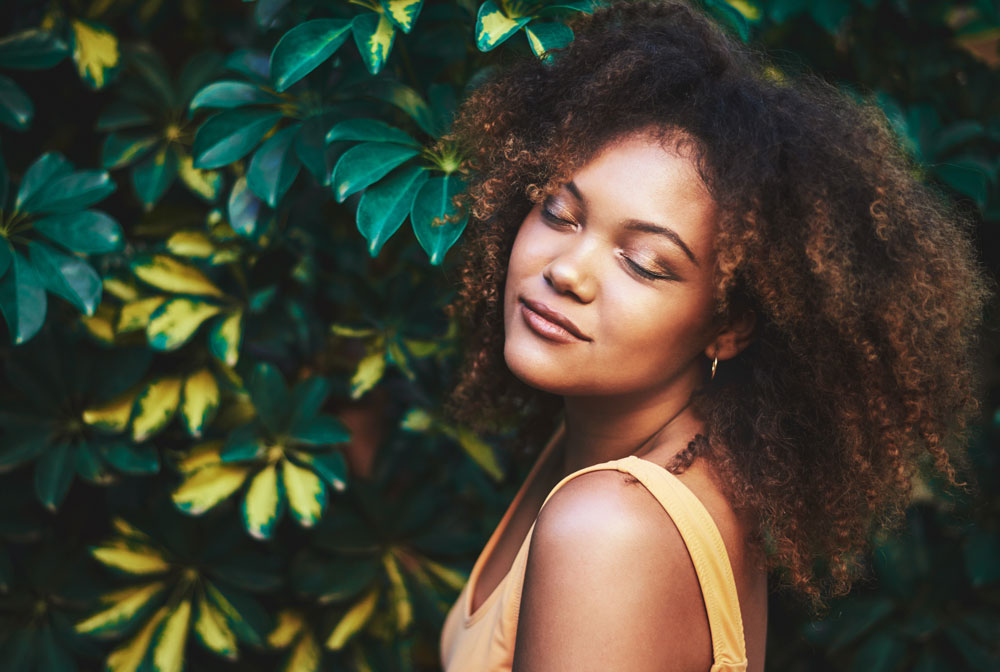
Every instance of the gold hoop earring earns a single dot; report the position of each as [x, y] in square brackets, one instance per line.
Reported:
[715, 363]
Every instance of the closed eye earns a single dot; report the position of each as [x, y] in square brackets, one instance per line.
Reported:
[551, 217]
[643, 272]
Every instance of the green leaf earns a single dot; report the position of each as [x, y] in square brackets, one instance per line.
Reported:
[121, 149]
[197, 72]
[493, 27]
[274, 166]
[881, 653]
[307, 398]
[268, 390]
[366, 163]
[330, 466]
[72, 192]
[829, 13]
[406, 99]
[967, 175]
[229, 136]
[982, 548]
[46, 168]
[306, 493]
[170, 639]
[51, 654]
[166, 273]
[263, 503]
[18, 650]
[155, 406]
[385, 206]
[956, 134]
[32, 49]
[213, 631]
[205, 488]
[122, 114]
[353, 621]
[373, 35]
[67, 275]
[19, 448]
[402, 13]
[16, 108]
[225, 338]
[54, 474]
[6, 256]
[95, 51]
[22, 298]
[319, 430]
[436, 221]
[244, 209]
[4, 193]
[246, 617]
[153, 176]
[88, 231]
[130, 458]
[369, 130]
[231, 93]
[303, 48]
[545, 36]
[242, 444]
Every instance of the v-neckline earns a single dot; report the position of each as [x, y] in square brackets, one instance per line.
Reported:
[470, 615]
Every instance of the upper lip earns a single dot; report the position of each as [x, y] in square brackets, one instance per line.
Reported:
[556, 318]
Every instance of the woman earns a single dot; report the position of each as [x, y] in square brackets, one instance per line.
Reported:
[747, 317]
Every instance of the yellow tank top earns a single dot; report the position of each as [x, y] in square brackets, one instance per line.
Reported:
[483, 641]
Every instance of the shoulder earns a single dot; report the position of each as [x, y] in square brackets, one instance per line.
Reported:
[607, 576]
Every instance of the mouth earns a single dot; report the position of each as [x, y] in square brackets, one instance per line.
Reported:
[550, 324]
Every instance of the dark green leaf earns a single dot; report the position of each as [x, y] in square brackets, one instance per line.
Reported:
[436, 221]
[230, 135]
[365, 164]
[331, 467]
[265, 11]
[319, 430]
[22, 446]
[154, 175]
[4, 193]
[22, 299]
[311, 148]
[269, 394]
[307, 398]
[333, 579]
[303, 48]
[122, 114]
[385, 206]
[153, 71]
[88, 231]
[31, 49]
[967, 175]
[244, 209]
[982, 557]
[493, 27]
[71, 192]
[67, 275]
[121, 149]
[46, 168]
[406, 99]
[545, 36]
[241, 444]
[882, 652]
[251, 63]
[52, 657]
[198, 71]
[274, 166]
[16, 108]
[54, 474]
[90, 466]
[232, 94]
[369, 130]
[130, 458]
[956, 134]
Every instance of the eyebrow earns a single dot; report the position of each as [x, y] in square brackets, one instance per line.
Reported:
[644, 227]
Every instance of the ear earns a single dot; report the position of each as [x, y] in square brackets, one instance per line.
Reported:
[733, 336]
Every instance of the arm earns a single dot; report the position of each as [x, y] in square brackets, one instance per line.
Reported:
[609, 585]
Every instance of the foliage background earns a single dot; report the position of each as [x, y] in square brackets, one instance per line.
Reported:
[221, 442]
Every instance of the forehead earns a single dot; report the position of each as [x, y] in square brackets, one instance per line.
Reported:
[650, 177]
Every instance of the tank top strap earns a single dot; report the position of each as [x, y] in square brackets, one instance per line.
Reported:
[706, 548]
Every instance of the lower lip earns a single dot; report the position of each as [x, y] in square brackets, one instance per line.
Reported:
[550, 331]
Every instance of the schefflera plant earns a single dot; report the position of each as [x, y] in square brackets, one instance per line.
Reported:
[286, 453]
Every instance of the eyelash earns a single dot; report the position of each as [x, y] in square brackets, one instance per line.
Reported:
[555, 220]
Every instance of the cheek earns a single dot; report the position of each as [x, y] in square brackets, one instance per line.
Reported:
[664, 326]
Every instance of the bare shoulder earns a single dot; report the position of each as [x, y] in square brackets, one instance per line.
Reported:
[608, 579]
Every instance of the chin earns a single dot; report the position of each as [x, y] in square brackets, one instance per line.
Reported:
[538, 370]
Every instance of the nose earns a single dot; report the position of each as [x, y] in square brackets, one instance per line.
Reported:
[572, 272]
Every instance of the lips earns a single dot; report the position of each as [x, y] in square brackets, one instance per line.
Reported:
[551, 324]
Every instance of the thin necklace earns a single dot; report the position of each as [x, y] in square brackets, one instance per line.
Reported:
[659, 430]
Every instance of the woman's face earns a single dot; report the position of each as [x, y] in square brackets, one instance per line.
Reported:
[610, 283]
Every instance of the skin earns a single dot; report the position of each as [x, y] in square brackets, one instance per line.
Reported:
[644, 301]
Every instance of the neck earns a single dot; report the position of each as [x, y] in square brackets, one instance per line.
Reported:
[599, 429]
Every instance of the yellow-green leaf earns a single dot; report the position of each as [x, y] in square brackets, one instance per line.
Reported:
[493, 26]
[174, 323]
[120, 289]
[208, 486]
[128, 657]
[480, 452]
[168, 650]
[403, 13]
[114, 415]
[130, 557]
[125, 605]
[353, 621]
[135, 314]
[204, 183]
[399, 594]
[200, 455]
[749, 10]
[213, 631]
[124, 528]
[306, 493]
[369, 372]
[191, 244]
[305, 656]
[224, 339]
[100, 325]
[95, 52]
[201, 399]
[451, 577]
[351, 332]
[155, 406]
[168, 274]
[420, 348]
[417, 420]
[287, 627]
[262, 503]
[373, 35]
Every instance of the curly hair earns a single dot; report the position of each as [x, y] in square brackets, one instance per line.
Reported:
[865, 282]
